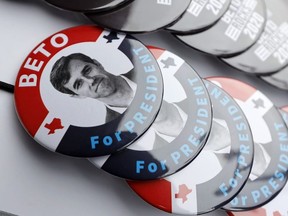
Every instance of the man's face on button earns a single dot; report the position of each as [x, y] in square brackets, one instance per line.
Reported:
[89, 79]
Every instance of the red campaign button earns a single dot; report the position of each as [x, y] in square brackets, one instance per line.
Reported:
[86, 92]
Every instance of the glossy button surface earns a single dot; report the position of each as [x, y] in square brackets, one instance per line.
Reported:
[142, 16]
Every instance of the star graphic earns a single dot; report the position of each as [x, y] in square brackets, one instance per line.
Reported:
[258, 103]
[183, 192]
[54, 125]
[112, 36]
[168, 62]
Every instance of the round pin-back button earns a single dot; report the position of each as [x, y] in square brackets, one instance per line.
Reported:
[88, 92]
[87, 5]
[237, 30]
[279, 79]
[219, 171]
[270, 53]
[277, 206]
[268, 175]
[179, 132]
[141, 16]
[200, 15]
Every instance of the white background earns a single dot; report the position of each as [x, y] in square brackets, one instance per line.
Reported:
[35, 181]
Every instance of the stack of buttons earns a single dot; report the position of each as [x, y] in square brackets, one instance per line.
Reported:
[160, 129]
[249, 35]
[142, 113]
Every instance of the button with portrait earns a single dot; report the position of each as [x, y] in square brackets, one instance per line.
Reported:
[88, 96]
[179, 132]
[274, 207]
[219, 171]
[268, 174]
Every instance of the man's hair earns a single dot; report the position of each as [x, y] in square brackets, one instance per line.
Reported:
[60, 74]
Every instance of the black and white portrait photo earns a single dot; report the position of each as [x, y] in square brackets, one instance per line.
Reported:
[80, 76]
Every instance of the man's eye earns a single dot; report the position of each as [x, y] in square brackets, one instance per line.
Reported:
[86, 70]
[78, 84]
